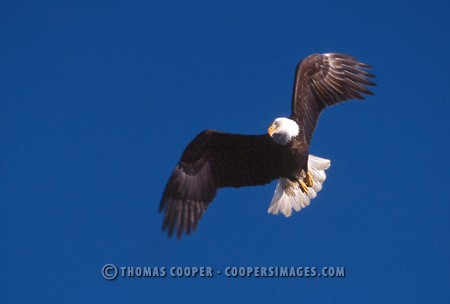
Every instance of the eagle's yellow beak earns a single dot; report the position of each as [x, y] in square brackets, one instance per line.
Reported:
[271, 130]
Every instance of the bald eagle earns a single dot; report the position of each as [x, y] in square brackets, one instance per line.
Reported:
[215, 159]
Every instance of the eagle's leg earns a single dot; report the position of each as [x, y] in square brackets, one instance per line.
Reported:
[308, 180]
[302, 185]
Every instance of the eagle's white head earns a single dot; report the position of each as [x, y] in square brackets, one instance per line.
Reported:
[282, 130]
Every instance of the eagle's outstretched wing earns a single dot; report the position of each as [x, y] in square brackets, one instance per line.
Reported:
[326, 79]
[211, 161]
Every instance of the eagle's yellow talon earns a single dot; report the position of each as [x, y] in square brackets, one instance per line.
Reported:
[308, 180]
[303, 186]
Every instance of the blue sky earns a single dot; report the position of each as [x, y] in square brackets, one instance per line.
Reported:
[99, 99]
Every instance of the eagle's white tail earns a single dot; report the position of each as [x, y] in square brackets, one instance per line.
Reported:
[289, 196]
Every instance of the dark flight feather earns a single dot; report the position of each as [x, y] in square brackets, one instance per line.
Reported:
[323, 80]
[211, 161]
